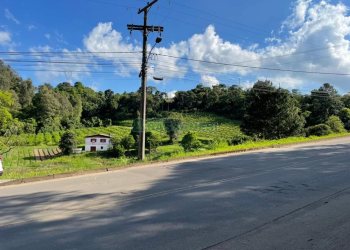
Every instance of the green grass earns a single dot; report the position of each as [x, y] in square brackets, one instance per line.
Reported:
[176, 151]
[20, 162]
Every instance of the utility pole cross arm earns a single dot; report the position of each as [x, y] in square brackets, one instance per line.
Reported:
[148, 28]
[149, 5]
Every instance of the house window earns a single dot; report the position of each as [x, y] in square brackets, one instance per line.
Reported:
[93, 140]
[103, 140]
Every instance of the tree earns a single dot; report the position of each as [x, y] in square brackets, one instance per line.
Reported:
[68, 142]
[109, 106]
[47, 108]
[6, 103]
[26, 93]
[172, 127]
[271, 113]
[344, 116]
[346, 100]
[323, 103]
[9, 139]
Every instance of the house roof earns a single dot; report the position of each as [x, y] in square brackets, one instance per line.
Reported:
[98, 135]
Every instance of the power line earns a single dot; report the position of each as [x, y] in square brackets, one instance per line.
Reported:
[255, 67]
[68, 52]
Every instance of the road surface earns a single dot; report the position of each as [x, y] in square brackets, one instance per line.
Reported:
[288, 198]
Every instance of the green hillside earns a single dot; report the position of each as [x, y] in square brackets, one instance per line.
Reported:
[21, 161]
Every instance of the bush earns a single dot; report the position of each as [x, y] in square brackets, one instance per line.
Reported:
[344, 116]
[118, 151]
[48, 138]
[120, 146]
[172, 127]
[136, 128]
[39, 139]
[190, 142]
[127, 142]
[152, 141]
[336, 125]
[68, 142]
[238, 139]
[30, 126]
[318, 130]
[214, 144]
[56, 137]
[107, 122]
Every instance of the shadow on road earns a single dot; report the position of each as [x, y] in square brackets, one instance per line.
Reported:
[196, 205]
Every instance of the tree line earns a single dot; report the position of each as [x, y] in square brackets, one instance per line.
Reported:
[264, 110]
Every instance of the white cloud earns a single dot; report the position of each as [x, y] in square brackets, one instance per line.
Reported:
[210, 47]
[5, 38]
[11, 17]
[171, 94]
[297, 18]
[209, 81]
[320, 43]
[31, 27]
[103, 41]
[288, 82]
[170, 67]
[53, 72]
[47, 36]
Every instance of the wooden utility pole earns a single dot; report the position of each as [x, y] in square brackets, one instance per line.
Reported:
[145, 30]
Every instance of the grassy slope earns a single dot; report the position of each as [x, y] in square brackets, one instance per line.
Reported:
[20, 163]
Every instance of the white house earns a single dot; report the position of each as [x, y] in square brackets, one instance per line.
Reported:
[98, 142]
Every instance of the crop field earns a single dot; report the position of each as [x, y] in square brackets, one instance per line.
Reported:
[37, 154]
[53, 138]
[207, 126]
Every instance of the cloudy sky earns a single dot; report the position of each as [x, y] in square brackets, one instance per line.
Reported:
[296, 44]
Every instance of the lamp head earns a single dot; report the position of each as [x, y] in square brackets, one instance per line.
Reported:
[158, 39]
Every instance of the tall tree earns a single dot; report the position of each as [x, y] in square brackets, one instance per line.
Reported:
[323, 103]
[272, 113]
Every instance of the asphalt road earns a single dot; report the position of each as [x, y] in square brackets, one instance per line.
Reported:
[290, 198]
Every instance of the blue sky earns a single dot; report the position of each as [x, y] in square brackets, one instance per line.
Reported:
[301, 35]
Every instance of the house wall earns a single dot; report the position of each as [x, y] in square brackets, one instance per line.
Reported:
[100, 146]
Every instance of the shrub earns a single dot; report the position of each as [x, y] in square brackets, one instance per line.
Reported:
[318, 130]
[107, 122]
[335, 124]
[30, 126]
[127, 142]
[214, 144]
[344, 116]
[238, 139]
[190, 142]
[136, 128]
[118, 151]
[56, 137]
[39, 139]
[68, 142]
[172, 127]
[48, 138]
[152, 140]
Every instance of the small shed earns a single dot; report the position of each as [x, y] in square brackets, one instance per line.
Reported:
[99, 142]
